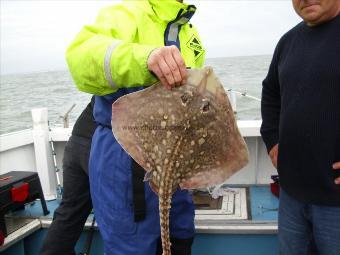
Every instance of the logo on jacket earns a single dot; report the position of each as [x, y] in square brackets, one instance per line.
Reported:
[196, 46]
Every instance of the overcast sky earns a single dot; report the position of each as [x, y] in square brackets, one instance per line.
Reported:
[35, 34]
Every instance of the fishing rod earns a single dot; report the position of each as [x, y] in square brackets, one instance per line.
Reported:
[59, 188]
[233, 99]
[245, 94]
[66, 116]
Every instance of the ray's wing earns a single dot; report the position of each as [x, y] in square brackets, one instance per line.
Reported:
[128, 125]
[220, 150]
[144, 124]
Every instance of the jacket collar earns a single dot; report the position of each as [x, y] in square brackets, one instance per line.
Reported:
[167, 10]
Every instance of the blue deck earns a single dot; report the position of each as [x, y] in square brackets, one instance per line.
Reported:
[263, 208]
[264, 205]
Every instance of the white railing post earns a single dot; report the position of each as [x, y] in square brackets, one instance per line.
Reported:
[43, 153]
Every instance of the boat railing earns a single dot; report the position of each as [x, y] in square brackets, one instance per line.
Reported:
[39, 156]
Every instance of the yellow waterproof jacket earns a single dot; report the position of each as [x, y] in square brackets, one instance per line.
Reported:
[112, 53]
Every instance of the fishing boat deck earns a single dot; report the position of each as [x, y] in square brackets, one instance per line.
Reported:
[252, 211]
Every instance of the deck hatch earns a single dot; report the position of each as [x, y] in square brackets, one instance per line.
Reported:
[232, 206]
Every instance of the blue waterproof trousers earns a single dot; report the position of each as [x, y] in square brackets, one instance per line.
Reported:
[111, 192]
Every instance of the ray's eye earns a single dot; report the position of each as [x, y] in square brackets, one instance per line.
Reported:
[205, 106]
[185, 99]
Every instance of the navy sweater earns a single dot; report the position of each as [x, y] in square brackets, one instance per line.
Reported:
[301, 111]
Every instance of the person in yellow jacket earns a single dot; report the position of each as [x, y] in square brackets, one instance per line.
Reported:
[130, 46]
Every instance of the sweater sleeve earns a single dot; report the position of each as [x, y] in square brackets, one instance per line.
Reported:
[271, 104]
[103, 57]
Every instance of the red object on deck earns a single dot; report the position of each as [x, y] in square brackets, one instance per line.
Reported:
[16, 189]
[20, 194]
[275, 189]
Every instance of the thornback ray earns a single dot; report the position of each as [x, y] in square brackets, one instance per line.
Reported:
[185, 137]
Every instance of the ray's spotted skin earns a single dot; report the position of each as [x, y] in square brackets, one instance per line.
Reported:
[185, 137]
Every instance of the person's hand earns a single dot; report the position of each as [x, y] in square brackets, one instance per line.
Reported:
[273, 153]
[168, 65]
[336, 167]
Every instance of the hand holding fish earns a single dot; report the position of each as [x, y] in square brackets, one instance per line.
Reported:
[168, 65]
[336, 166]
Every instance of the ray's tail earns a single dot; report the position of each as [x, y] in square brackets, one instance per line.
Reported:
[164, 209]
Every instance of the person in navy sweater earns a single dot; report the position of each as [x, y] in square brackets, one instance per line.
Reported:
[301, 128]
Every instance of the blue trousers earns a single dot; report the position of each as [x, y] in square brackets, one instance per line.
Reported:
[111, 192]
[301, 224]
